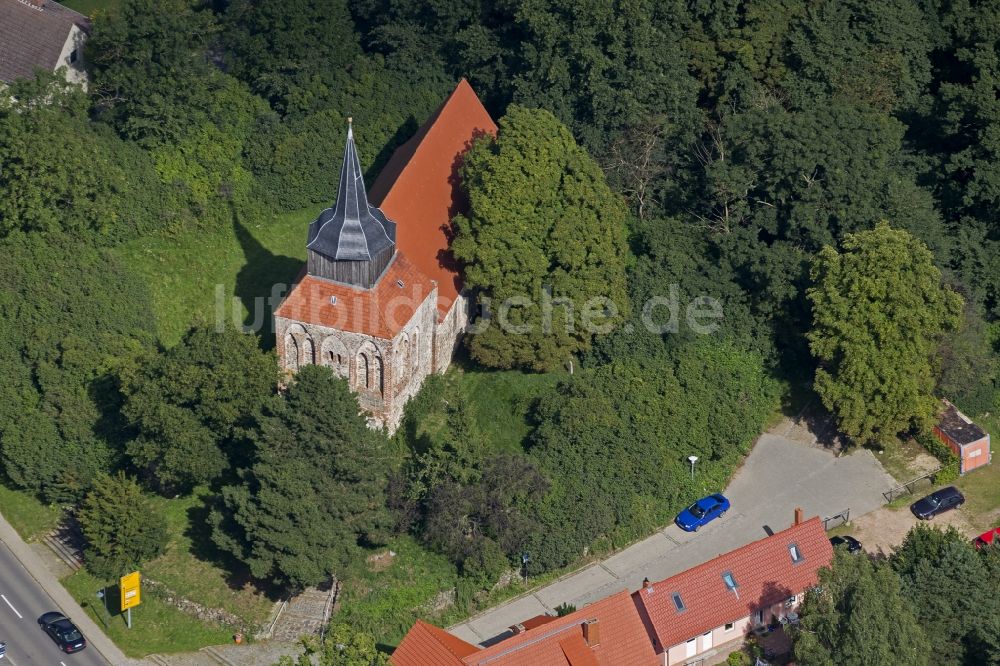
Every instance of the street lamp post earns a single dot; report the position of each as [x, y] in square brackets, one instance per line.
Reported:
[103, 597]
[524, 565]
[692, 460]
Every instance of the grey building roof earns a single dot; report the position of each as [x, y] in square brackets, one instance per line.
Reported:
[32, 35]
[352, 230]
[959, 427]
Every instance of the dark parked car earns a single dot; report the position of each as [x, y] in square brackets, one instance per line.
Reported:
[702, 512]
[938, 502]
[62, 631]
[850, 543]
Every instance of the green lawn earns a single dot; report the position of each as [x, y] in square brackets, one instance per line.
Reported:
[26, 513]
[188, 566]
[500, 400]
[188, 274]
[156, 627]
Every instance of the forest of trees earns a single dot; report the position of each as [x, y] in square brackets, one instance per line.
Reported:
[770, 155]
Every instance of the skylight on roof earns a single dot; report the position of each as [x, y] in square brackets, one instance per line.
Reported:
[793, 550]
[678, 602]
[730, 582]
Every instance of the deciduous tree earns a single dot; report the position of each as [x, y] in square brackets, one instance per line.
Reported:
[859, 616]
[545, 236]
[879, 308]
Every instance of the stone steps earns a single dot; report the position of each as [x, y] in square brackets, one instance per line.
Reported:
[62, 546]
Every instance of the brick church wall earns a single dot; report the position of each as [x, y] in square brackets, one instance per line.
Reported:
[402, 372]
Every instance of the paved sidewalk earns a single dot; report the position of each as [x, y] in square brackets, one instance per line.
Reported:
[785, 470]
[48, 582]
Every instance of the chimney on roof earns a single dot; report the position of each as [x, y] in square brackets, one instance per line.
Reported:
[645, 583]
[517, 629]
[798, 516]
[592, 632]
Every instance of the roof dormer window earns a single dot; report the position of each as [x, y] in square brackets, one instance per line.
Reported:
[678, 602]
[729, 580]
[797, 556]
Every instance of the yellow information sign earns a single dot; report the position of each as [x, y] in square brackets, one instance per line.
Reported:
[129, 586]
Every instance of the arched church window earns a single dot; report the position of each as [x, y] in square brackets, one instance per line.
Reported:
[377, 375]
[364, 376]
[291, 352]
[308, 352]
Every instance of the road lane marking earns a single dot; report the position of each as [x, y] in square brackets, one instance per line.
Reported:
[62, 663]
[19, 616]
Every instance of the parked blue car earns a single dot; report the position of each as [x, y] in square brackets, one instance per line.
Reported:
[702, 512]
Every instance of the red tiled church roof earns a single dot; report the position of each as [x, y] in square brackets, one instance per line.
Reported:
[764, 572]
[622, 640]
[419, 189]
[381, 311]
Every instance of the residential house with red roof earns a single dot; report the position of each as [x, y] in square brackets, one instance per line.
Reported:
[703, 613]
[708, 610]
[41, 34]
[609, 632]
[381, 299]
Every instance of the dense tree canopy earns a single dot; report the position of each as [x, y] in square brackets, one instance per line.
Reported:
[70, 315]
[879, 309]
[859, 616]
[121, 529]
[314, 490]
[956, 598]
[549, 253]
[191, 405]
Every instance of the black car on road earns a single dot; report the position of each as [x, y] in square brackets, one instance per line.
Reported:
[62, 631]
[850, 543]
[937, 502]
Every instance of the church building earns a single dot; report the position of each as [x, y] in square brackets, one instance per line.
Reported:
[380, 300]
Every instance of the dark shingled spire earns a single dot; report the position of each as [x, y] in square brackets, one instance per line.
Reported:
[352, 230]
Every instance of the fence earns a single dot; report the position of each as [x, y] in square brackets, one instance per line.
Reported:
[837, 518]
[910, 486]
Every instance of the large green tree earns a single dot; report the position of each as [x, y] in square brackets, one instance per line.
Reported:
[859, 616]
[315, 490]
[957, 600]
[70, 315]
[290, 51]
[191, 405]
[121, 528]
[879, 308]
[61, 172]
[543, 229]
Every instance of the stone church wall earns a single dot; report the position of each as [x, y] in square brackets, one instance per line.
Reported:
[449, 333]
[384, 374]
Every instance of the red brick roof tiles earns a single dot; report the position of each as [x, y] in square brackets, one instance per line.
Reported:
[419, 189]
[427, 645]
[623, 640]
[381, 311]
[764, 573]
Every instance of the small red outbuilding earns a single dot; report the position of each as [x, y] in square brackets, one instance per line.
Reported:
[969, 442]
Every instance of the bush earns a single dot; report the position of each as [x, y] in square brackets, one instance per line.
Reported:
[949, 461]
[738, 659]
[121, 527]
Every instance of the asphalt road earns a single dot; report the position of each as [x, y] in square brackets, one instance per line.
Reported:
[22, 602]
